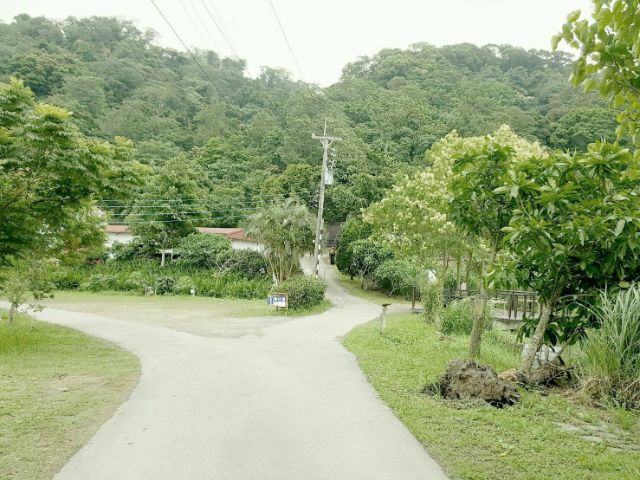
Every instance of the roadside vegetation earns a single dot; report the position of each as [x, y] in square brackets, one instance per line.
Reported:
[545, 436]
[58, 387]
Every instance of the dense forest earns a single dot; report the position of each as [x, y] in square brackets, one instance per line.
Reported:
[245, 140]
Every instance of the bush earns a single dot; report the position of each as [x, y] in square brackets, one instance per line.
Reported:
[183, 285]
[303, 291]
[134, 275]
[610, 359]
[126, 252]
[164, 285]
[67, 278]
[431, 296]
[135, 281]
[99, 282]
[202, 250]
[397, 276]
[457, 317]
[353, 229]
[366, 257]
[244, 262]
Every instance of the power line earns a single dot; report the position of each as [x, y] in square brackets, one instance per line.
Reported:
[178, 220]
[195, 25]
[192, 56]
[185, 213]
[203, 24]
[207, 199]
[222, 22]
[287, 40]
[189, 205]
[220, 30]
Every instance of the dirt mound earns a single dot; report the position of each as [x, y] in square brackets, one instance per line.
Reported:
[467, 379]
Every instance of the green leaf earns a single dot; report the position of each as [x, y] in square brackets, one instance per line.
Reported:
[620, 226]
[573, 16]
[514, 191]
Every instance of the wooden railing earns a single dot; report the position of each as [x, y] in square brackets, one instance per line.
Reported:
[506, 304]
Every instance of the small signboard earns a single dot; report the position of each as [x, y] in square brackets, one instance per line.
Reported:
[278, 300]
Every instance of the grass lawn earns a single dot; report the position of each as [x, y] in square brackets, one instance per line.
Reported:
[205, 316]
[57, 386]
[374, 296]
[473, 441]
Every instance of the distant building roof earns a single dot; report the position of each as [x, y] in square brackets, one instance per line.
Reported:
[230, 233]
[116, 229]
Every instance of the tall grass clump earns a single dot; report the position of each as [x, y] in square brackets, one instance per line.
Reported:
[457, 317]
[610, 359]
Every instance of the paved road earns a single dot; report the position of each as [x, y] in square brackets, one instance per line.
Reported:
[289, 404]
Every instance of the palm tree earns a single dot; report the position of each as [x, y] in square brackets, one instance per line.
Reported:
[286, 233]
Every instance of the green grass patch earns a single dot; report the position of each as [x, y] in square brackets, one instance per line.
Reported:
[321, 307]
[475, 441]
[375, 296]
[57, 386]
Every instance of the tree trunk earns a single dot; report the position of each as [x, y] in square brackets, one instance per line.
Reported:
[467, 276]
[458, 271]
[475, 343]
[12, 312]
[536, 340]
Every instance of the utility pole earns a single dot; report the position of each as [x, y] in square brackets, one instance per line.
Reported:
[326, 143]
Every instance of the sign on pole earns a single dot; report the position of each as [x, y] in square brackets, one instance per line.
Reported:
[278, 300]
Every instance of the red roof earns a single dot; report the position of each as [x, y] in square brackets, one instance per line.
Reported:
[116, 229]
[230, 233]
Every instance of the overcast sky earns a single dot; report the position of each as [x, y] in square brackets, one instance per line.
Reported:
[326, 35]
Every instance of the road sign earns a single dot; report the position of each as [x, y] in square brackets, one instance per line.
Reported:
[278, 300]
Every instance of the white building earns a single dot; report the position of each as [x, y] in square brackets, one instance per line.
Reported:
[121, 234]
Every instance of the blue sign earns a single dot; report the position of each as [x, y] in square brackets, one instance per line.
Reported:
[277, 301]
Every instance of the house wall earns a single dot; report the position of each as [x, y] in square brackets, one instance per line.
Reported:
[118, 237]
[245, 245]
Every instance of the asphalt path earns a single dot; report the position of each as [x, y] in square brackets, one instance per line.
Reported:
[291, 403]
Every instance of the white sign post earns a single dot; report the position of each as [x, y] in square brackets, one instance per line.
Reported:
[278, 300]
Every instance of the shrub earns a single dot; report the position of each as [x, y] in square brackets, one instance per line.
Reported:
[183, 285]
[397, 276]
[202, 250]
[610, 359]
[244, 262]
[457, 317]
[99, 282]
[135, 281]
[303, 291]
[366, 257]
[431, 296]
[64, 278]
[164, 285]
[354, 229]
[126, 252]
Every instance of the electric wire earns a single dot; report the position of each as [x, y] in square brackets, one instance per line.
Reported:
[220, 30]
[188, 205]
[192, 56]
[211, 198]
[204, 41]
[146, 214]
[222, 23]
[295, 60]
[179, 220]
[203, 25]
